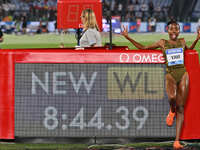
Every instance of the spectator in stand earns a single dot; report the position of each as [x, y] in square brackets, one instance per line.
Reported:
[144, 10]
[106, 10]
[137, 2]
[1, 12]
[128, 17]
[152, 24]
[131, 9]
[138, 24]
[120, 6]
[151, 8]
[112, 6]
[24, 24]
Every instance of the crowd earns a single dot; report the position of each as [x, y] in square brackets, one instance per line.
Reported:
[128, 10]
[34, 10]
[20, 12]
[131, 10]
[44, 11]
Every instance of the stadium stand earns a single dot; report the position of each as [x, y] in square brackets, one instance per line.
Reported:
[129, 10]
[34, 10]
[42, 12]
[196, 12]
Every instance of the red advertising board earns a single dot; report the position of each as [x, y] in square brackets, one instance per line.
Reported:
[69, 12]
[9, 58]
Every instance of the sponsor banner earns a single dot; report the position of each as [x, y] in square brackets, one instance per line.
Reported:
[143, 27]
[194, 27]
[142, 58]
[187, 27]
[125, 24]
[102, 56]
[133, 27]
[160, 27]
[116, 25]
[181, 26]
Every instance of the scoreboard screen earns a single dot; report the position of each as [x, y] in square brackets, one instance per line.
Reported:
[87, 100]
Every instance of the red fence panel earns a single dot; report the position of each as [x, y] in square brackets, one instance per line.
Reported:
[9, 58]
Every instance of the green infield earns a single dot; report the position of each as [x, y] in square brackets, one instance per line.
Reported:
[69, 40]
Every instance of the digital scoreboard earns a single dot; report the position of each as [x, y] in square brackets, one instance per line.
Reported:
[102, 100]
[91, 93]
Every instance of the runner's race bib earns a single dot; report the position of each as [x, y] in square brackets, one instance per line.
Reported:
[175, 56]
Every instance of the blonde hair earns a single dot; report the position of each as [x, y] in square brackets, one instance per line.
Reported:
[90, 19]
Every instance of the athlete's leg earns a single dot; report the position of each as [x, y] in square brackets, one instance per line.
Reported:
[182, 93]
[171, 89]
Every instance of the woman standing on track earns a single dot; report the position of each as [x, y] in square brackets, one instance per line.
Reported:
[177, 78]
[90, 36]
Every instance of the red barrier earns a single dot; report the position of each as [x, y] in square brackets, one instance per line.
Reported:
[191, 125]
[6, 96]
[8, 58]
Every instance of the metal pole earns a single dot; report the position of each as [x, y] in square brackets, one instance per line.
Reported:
[78, 32]
[110, 21]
